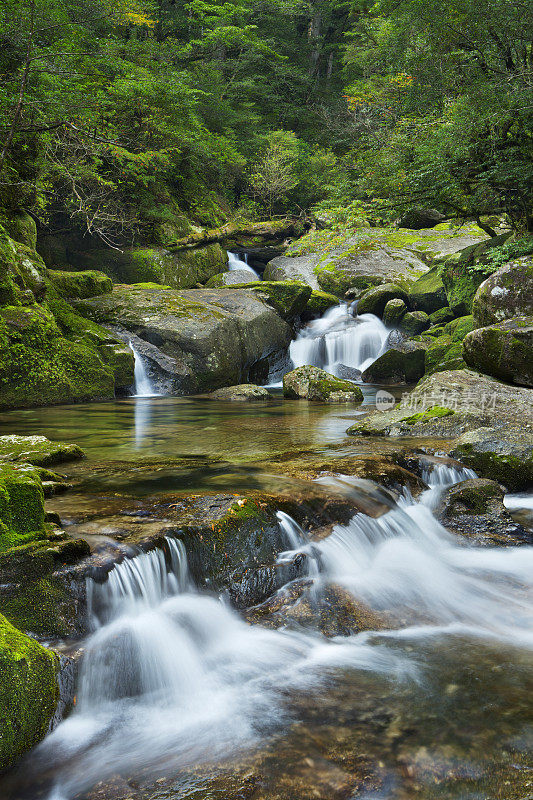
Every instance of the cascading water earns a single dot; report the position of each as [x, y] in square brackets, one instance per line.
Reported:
[339, 339]
[142, 386]
[172, 677]
[237, 263]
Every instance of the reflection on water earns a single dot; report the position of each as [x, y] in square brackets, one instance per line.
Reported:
[159, 427]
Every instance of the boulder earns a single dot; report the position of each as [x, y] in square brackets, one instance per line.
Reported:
[20, 226]
[232, 277]
[403, 363]
[245, 392]
[474, 509]
[209, 337]
[419, 218]
[29, 692]
[504, 350]
[37, 450]
[394, 312]
[298, 268]
[312, 383]
[508, 293]
[463, 272]
[87, 283]
[414, 322]
[441, 316]
[428, 293]
[489, 421]
[178, 268]
[288, 298]
[374, 300]
[319, 302]
[443, 354]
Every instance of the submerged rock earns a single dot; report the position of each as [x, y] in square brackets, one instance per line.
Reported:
[312, 383]
[504, 350]
[212, 337]
[245, 392]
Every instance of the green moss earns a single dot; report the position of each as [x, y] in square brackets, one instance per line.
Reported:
[288, 298]
[431, 413]
[312, 383]
[319, 302]
[374, 300]
[20, 226]
[28, 692]
[428, 293]
[88, 283]
[441, 316]
[458, 328]
[37, 450]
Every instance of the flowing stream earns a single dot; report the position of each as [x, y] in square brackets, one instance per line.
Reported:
[142, 386]
[172, 677]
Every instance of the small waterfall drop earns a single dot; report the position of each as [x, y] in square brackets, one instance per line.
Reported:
[237, 263]
[142, 386]
[339, 339]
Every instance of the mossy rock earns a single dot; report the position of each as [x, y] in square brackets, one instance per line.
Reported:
[394, 312]
[88, 283]
[492, 453]
[37, 450]
[414, 322]
[29, 692]
[444, 354]
[428, 293]
[312, 383]
[20, 226]
[21, 505]
[319, 302]
[441, 316]
[244, 392]
[463, 272]
[23, 275]
[459, 328]
[403, 363]
[504, 351]
[506, 294]
[373, 301]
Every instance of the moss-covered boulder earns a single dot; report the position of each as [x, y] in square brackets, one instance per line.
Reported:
[504, 351]
[403, 363]
[463, 272]
[207, 338]
[312, 383]
[319, 302]
[394, 312]
[233, 277]
[87, 283]
[374, 300]
[414, 322]
[21, 505]
[244, 392]
[180, 268]
[441, 316]
[37, 450]
[20, 226]
[29, 692]
[444, 354]
[428, 293]
[506, 294]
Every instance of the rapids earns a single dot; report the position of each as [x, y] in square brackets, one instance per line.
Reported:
[172, 676]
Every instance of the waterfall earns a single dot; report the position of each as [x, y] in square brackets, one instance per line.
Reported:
[339, 339]
[236, 263]
[142, 386]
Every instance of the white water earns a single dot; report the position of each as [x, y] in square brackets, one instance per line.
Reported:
[234, 263]
[172, 677]
[142, 386]
[339, 338]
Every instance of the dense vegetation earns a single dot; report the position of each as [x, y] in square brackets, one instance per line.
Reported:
[119, 114]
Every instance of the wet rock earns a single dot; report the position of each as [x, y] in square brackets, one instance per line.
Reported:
[374, 300]
[348, 373]
[37, 450]
[474, 509]
[507, 294]
[312, 383]
[503, 350]
[318, 303]
[212, 337]
[403, 363]
[245, 392]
